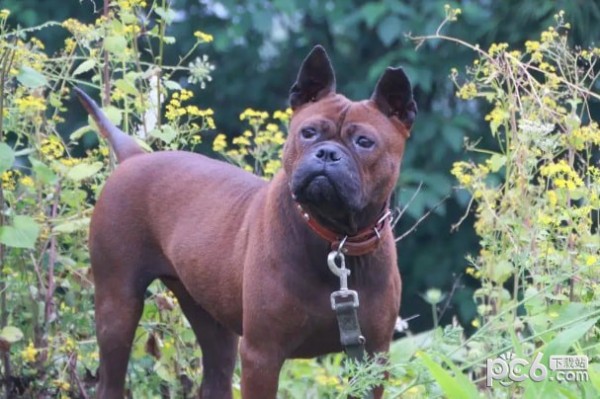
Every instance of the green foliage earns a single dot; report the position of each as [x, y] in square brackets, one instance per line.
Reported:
[532, 183]
[48, 193]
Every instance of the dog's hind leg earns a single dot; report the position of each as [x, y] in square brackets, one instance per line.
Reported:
[218, 344]
[119, 307]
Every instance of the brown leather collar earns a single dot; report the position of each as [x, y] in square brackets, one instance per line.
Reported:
[361, 243]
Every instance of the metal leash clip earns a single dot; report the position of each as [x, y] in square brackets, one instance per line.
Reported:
[342, 273]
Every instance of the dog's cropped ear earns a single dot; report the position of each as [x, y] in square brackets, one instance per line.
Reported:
[393, 96]
[315, 80]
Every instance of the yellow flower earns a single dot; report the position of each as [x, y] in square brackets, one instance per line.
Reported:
[271, 127]
[532, 45]
[544, 66]
[272, 166]
[37, 43]
[254, 117]
[460, 171]
[185, 95]
[327, 380]
[549, 35]
[283, 116]
[497, 48]
[241, 141]
[562, 175]
[27, 181]
[70, 161]
[537, 57]
[52, 147]
[30, 104]
[9, 179]
[552, 197]
[590, 260]
[467, 91]
[203, 37]
[219, 143]
[76, 27]
[4, 13]
[545, 219]
[29, 354]
[133, 29]
[70, 44]
[61, 384]
[69, 345]
[497, 116]
[475, 323]
[129, 4]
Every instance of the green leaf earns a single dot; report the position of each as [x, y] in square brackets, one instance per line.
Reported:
[453, 386]
[31, 78]
[72, 226]
[389, 29]
[43, 172]
[171, 85]
[163, 372]
[21, 234]
[594, 371]
[566, 338]
[404, 349]
[11, 334]
[126, 86]
[167, 15]
[84, 67]
[497, 161]
[166, 133]
[79, 133]
[7, 157]
[74, 198]
[501, 271]
[84, 171]
[115, 45]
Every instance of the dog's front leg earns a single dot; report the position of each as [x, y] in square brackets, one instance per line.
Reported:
[261, 364]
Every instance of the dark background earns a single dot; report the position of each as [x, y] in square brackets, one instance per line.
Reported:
[260, 44]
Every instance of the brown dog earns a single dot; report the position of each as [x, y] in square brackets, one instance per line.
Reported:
[249, 258]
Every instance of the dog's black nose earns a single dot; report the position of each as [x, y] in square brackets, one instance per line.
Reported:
[328, 154]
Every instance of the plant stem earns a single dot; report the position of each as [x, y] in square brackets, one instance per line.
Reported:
[6, 60]
[106, 72]
[161, 45]
[49, 300]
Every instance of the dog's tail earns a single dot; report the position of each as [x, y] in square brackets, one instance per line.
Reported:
[122, 144]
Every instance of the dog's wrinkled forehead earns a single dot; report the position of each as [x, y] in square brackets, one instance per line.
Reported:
[333, 108]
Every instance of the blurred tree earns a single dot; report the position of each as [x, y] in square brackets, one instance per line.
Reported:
[259, 45]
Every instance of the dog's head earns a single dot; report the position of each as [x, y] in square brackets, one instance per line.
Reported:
[342, 157]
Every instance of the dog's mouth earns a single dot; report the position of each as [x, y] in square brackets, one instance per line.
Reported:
[325, 190]
[318, 188]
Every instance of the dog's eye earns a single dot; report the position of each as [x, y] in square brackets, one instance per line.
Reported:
[364, 142]
[308, 133]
